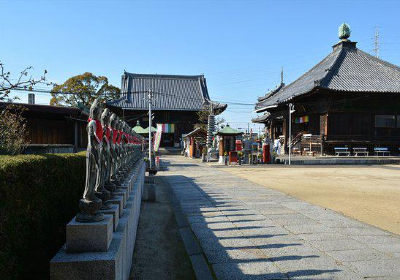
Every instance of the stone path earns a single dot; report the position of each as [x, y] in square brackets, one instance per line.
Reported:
[251, 232]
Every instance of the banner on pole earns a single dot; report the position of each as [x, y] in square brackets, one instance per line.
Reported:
[157, 137]
[168, 127]
[304, 119]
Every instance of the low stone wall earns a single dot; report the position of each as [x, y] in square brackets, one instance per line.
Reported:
[344, 161]
[114, 261]
[38, 149]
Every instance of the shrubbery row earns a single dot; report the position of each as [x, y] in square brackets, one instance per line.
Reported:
[38, 196]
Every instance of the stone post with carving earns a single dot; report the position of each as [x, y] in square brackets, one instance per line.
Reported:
[90, 203]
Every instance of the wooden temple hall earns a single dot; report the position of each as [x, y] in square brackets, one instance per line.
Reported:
[176, 101]
[349, 101]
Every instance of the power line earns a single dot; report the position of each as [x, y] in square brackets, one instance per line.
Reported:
[198, 99]
[156, 93]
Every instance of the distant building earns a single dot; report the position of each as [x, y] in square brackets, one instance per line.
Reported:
[54, 129]
[350, 98]
[176, 101]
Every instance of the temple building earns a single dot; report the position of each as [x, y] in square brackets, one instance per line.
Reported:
[349, 99]
[176, 101]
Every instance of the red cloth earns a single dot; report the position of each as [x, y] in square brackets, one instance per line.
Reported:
[108, 134]
[99, 129]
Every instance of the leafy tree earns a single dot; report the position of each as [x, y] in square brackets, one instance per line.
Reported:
[83, 89]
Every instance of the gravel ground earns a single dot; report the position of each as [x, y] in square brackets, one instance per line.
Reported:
[254, 232]
[159, 250]
[367, 193]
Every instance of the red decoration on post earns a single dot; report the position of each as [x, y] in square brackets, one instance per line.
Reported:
[99, 130]
[108, 134]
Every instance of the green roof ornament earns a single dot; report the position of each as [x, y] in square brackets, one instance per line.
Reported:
[344, 31]
[227, 130]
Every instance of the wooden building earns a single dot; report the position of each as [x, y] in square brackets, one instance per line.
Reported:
[54, 128]
[227, 141]
[176, 100]
[349, 99]
[195, 142]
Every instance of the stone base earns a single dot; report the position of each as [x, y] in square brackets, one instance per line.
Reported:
[89, 237]
[125, 186]
[90, 265]
[122, 193]
[133, 177]
[114, 211]
[119, 200]
[115, 264]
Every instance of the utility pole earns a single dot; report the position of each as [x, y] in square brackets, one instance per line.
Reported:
[376, 42]
[291, 110]
[150, 96]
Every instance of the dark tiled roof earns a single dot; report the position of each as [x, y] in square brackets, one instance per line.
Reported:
[196, 133]
[346, 69]
[272, 92]
[46, 109]
[171, 92]
[261, 119]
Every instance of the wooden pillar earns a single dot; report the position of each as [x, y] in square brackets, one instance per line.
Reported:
[176, 135]
[285, 133]
[271, 130]
[221, 146]
[323, 129]
[191, 147]
[323, 124]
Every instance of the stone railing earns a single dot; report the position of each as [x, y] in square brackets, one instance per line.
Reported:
[100, 240]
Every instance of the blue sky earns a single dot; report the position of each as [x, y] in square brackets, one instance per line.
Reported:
[240, 46]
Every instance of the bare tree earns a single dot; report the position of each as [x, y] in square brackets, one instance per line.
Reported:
[13, 132]
[24, 81]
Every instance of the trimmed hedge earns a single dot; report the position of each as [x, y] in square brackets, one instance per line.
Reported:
[39, 195]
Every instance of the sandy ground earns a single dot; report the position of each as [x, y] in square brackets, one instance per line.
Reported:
[159, 251]
[367, 193]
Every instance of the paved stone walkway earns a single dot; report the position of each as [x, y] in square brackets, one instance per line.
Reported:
[251, 232]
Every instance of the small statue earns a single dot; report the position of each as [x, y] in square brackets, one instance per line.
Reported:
[119, 152]
[109, 151]
[114, 149]
[125, 146]
[101, 191]
[90, 204]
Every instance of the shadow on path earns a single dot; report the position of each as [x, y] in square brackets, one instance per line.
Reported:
[237, 245]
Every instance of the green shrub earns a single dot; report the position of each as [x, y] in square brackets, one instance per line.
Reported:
[39, 195]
